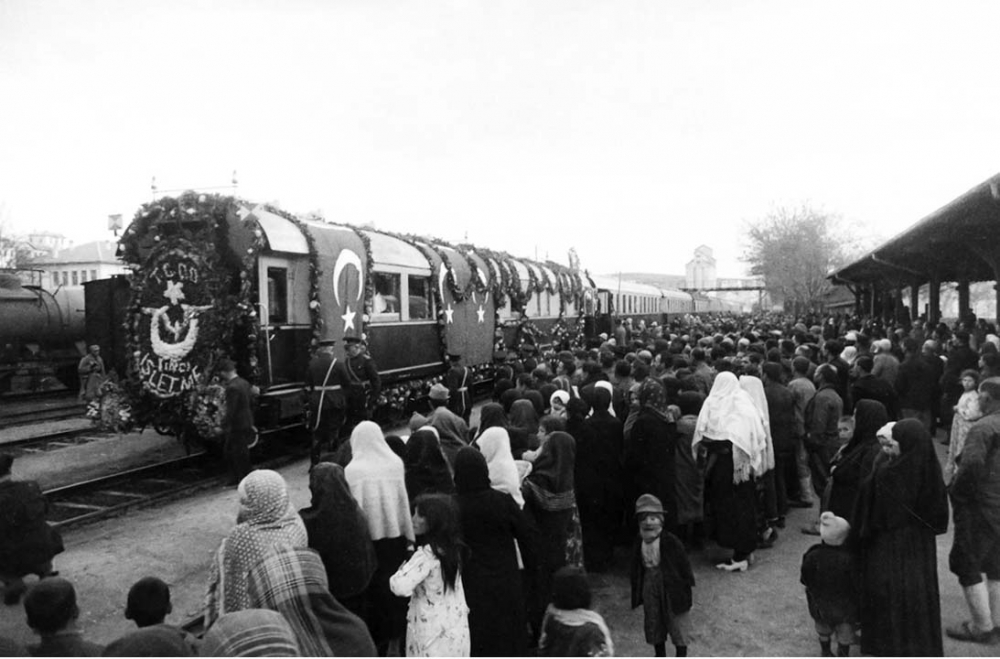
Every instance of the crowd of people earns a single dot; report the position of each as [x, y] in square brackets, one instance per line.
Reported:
[462, 541]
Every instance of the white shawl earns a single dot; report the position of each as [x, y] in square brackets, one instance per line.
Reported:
[730, 414]
[377, 480]
[753, 386]
[494, 444]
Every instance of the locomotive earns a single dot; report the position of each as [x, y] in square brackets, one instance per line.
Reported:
[215, 276]
[41, 335]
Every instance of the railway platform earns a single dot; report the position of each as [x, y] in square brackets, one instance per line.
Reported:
[758, 613]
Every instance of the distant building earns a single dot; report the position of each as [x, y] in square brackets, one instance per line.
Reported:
[80, 264]
[44, 244]
[700, 271]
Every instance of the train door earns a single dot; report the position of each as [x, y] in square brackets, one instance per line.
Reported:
[284, 319]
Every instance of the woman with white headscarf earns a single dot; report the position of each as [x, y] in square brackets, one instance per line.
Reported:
[377, 479]
[266, 521]
[494, 444]
[768, 532]
[732, 430]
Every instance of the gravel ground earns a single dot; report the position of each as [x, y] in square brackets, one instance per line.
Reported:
[758, 613]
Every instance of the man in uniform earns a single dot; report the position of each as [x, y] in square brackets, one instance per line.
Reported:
[365, 385]
[458, 379]
[325, 382]
[237, 424]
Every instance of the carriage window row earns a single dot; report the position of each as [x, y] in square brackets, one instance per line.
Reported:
[77, 277]
[391, 288]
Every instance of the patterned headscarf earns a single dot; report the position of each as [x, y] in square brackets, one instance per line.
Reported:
[653, 397]
[266, 521]
[250, 633]
[293, 582]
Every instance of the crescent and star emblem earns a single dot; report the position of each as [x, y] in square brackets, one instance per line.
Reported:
[345, 258]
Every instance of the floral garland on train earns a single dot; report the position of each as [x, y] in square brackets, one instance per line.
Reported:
[207, 283]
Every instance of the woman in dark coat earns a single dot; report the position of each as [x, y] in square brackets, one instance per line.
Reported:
[853, 463]
[597, 477]
[524, 418]
[491, 522]
[649, 458]
[338, 531]
[550, 501]
[902, 506]
[427, 470]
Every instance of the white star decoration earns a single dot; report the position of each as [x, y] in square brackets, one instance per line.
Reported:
[174, 291]
[449, 314]
[481, 313]
[349, 318]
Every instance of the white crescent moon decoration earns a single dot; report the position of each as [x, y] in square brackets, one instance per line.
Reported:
[441, 276]
[345, 258]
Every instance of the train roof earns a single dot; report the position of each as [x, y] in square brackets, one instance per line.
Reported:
[613, 285]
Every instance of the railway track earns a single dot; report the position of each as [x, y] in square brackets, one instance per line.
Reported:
[100, 498]
[18, 412]
[52, 441]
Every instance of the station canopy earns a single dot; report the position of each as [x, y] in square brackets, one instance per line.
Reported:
[958, 242]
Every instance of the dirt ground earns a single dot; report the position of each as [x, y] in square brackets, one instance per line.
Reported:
[758, 613]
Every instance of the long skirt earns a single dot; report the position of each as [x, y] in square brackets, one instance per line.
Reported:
[900, 603]
[733, 504]
[386, 612]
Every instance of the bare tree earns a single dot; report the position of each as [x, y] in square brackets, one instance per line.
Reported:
[794, 249]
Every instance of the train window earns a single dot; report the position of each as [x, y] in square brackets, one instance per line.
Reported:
[277, 295]
[421, 307]
[385, 306]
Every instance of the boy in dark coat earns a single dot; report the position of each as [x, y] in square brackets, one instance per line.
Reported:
[830, 575]
[661, 579]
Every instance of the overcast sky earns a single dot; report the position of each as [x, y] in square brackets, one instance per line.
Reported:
[634, 131]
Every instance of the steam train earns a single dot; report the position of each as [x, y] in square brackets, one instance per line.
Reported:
[216, 277]
[41, 335]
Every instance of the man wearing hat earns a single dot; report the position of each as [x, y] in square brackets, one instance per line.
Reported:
[453, 432]
[237, 424]
[458, 379]
[365, 385]
[325, 382]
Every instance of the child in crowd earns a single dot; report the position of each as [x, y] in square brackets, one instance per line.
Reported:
[661, 579]
[830, 575]
[966, 411]
[570, 628]
[148, 605]
[52, 613]
[437, 623]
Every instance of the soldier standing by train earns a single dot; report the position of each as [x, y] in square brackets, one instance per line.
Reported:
[326, 381]
[365, 385]
[458, 379]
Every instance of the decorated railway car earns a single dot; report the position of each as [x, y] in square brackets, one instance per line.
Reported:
[218, 277]
[41, 335]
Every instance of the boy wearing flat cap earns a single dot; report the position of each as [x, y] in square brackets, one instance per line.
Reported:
[661, 579]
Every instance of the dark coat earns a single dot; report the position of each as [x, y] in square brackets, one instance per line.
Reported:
[320, 373]
[832, 580]
[675, 568]
[878, 389]
[491, 522]
[650, 460]
[26, 540]
[781, 410]
[239, 416]
[917, 384]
